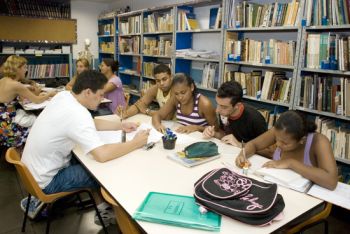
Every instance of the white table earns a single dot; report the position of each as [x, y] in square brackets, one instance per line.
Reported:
[131, 177]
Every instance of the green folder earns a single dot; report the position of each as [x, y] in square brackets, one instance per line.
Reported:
[176, 210]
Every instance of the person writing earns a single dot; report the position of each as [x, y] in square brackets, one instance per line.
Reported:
[193, 110]
[160, 92]
[66, 123]
[299, 148]
[82, 64]
[13, 133]
[238, 121]
[114, 88]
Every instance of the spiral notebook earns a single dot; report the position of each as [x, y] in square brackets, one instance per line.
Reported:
[177, 210]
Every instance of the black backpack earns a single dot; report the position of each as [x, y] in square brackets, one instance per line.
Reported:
[242, 198]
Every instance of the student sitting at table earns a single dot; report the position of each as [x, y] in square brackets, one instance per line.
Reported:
[66, 123]
[114, 88]
[238, 121]
[160, 92]
[82, 64]
[299, 148]
[193, 110]
[13, 124]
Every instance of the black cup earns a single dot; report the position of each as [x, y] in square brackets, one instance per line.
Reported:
[169, 143]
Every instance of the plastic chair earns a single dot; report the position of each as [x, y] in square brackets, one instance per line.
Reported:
[33, 189]
[314, 220]
[125, 223]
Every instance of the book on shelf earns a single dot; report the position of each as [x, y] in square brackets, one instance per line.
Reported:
[129, 45]
[215, 16]
[338, 135]
[130, 26]
[47, 70]
[270, 116]
[177, 210]
[154, 46]
[180, 157]
[248, 14]
[187, 20]
[208, 75]
[148, 68]
[326, 93]
[158, 22]
[327, 12]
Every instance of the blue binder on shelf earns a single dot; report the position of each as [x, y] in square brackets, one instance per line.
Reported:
[177, 210]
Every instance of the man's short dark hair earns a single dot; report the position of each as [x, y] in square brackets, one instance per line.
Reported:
[231, 89]
[93, 80]
[161, 68]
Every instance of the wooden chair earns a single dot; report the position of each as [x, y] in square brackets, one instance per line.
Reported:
[33, 189]
[126, 224]
[314, 220]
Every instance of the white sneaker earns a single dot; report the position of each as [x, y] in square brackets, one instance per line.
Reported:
[107, 216]
[35, 206]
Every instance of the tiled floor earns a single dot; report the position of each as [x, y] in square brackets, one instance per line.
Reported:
[76, 221]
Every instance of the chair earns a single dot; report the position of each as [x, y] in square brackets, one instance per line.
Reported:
[314, 220]
[33, 189]
[125, 223]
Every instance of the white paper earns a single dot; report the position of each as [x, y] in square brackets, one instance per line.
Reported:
[340, 196]
[34, 106]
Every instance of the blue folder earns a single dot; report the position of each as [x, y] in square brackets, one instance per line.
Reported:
[176, 210]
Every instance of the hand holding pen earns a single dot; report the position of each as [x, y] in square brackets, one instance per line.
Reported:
[241, 159]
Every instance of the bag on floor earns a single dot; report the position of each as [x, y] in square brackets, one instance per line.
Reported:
[247, 200]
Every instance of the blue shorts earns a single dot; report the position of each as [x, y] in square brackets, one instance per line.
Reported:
[71, 178]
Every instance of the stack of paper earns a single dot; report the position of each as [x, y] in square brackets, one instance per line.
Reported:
[176, 210]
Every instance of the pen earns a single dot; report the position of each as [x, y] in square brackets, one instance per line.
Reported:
[245, 164]
[121, 122]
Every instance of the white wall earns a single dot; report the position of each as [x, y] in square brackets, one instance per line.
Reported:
[86, 14]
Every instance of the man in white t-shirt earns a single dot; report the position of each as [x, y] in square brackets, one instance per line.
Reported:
[65, 123]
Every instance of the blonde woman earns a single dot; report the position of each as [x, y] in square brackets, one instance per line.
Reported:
[12, 134]
[82, 64]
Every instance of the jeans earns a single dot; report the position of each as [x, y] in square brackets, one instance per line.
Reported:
[71, 178]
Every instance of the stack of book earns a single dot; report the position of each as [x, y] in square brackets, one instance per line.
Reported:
[48, 71]
[208, 75]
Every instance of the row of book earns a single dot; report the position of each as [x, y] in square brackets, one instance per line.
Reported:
[129, 45]
[36, 50]
[248, 14]
[209, 74]
[132, 26]
[148, 68]
[36, 8]
[274, 86]
[106, 29]
[328, 51]
[162, 47]
[48, 71]
[327, 12]
[158, 22]
[253, 51]
[325, 93]
[339, 136]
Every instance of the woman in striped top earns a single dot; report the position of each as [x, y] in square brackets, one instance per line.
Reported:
[193, 110]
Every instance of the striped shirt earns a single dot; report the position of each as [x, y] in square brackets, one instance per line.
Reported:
[193, 118]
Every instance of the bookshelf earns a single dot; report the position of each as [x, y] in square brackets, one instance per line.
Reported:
[47, 64]
[198, 22]
[276, 25]
[130, 56]
[323, 81]
[107, 38]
